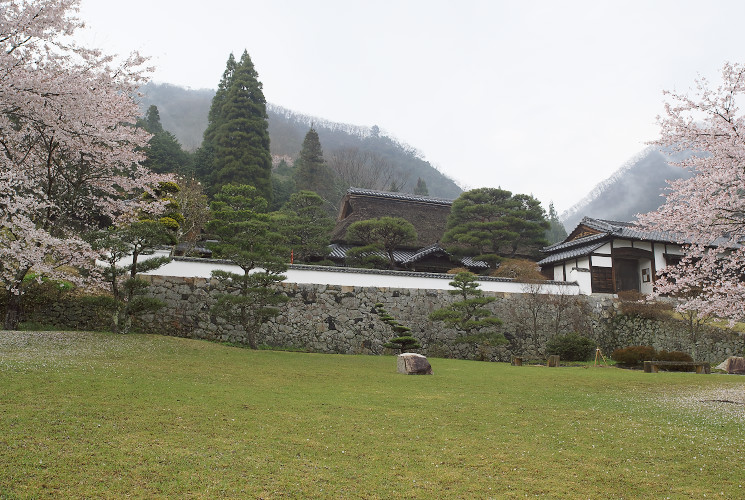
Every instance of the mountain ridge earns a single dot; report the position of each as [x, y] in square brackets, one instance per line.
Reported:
[638, 186]
[183, 112]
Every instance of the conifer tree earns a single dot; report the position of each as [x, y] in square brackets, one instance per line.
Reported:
[164, 152]
[306, 226]
[247, 238]
[421, 188]
[312, 173]
[555, 232]
[491, 223]
[469, 316]
[236, 141]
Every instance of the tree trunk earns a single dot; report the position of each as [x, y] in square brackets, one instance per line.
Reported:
[13, 312]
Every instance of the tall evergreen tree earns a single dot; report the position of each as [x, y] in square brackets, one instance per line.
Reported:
[164, 153]
[236, 141]
[312, 173]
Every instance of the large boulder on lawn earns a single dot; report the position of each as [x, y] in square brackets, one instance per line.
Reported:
[410, 363]
[733, 364]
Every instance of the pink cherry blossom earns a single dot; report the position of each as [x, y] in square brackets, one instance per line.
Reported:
[68, 150]
[708, 209]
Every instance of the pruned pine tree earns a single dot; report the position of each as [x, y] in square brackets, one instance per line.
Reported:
[469, 315]
[158, 224]
[382, 234]
[247, 238]
[490, 223]
[403, 341]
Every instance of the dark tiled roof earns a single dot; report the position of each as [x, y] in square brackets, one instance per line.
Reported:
[399, 196]
[339, 251]
[608, 230]
[572, 252]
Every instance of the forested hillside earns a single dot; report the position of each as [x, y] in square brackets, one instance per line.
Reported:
[634, 188]
[183, 112]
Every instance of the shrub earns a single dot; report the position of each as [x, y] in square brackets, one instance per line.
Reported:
[457, 270]
[518, 269]
[634, 355]
[634, 303]
[571, 347]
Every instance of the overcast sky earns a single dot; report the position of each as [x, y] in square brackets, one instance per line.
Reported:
[541, 97]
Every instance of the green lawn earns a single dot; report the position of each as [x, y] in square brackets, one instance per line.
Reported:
[101, 415]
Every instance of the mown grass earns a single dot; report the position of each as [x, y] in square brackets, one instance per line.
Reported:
[101, 415]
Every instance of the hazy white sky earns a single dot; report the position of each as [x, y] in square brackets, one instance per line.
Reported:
[540, 97]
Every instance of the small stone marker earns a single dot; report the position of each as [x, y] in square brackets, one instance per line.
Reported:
[553, 361]
[733, 364]
[410, 363]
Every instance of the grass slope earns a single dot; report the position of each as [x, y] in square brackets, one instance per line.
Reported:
[100, 415]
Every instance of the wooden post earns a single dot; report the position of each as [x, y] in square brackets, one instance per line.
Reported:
[553, 361]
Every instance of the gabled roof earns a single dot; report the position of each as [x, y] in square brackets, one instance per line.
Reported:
[590, 234]
[406, 257]
[398, 196]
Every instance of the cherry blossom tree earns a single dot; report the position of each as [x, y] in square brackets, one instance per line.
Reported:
[69, 157]
[706, 211]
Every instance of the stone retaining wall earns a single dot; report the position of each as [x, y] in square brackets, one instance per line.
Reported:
[341, 319]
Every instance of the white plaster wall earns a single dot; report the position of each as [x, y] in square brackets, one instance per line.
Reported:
[606, 249]
[659, 251]
[583, 279]
[645, 288]
[598, 261]
[559, 273]
[621, 244]
[363, 279]
[643, 245]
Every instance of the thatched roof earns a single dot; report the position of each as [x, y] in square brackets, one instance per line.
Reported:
[427, 215]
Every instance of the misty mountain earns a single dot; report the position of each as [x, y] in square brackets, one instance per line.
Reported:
[634, 188]
[183, 112]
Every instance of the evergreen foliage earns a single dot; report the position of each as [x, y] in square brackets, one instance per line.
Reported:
[312, 173]
[164, 153]
[421, 188]
[571, 347]
[134, 240]
[556, 231]
[469, 315]
[384, 233]
[491, 223]
[247, 237]
[404, 341]
[236, 141]
[306, 226]
[283, 185]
